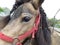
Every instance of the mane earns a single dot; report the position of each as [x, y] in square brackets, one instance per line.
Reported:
[19, 2]
[43, 36]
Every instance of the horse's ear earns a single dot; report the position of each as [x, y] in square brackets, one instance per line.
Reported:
[36, 3]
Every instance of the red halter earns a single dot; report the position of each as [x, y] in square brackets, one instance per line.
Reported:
[31, 31]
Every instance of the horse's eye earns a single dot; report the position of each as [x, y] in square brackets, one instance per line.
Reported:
[26, 19]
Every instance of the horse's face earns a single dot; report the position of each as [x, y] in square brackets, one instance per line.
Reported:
[22, 20]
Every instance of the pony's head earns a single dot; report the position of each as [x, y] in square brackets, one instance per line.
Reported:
[21, 21]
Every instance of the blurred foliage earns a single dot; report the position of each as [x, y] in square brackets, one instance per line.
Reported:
[54, 22]
[57, 24]
[1, 9]
[4, 11]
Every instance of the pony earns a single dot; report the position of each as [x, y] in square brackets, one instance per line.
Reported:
[22, 20]
[43, 20]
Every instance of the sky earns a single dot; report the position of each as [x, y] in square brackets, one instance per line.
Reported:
[50, 6]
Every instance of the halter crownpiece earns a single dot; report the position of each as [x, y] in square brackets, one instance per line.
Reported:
[25, 35]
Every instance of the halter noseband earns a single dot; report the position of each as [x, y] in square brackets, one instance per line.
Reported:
[31, 31]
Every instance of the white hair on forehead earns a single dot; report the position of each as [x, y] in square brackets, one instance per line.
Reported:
[11, 14]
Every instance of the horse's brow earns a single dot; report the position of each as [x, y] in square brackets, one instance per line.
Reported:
[17, 13]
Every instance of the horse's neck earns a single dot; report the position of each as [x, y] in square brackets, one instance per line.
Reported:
[4, 21]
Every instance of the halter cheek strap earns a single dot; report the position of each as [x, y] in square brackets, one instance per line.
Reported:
[25, 35]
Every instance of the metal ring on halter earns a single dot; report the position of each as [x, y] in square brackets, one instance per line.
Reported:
[15, 41]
